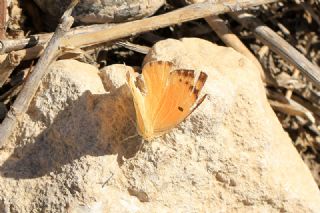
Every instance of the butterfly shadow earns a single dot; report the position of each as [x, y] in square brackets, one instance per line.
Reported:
[94, 125]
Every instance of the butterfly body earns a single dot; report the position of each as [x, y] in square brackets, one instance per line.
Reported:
[170, 96]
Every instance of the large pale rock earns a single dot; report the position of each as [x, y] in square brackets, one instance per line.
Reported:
[101, 11]
[231, 154]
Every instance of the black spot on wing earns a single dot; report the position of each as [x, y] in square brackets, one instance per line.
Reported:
[180, 109]
[160, 63]
[191, 73]
[185, 73]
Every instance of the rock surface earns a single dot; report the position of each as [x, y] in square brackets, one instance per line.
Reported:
[101, 11]
[230, 154]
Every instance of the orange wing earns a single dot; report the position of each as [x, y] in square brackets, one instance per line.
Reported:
[169, 99]
[155, 75]
[179, 100]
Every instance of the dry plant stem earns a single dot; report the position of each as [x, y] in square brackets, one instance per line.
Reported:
[313, 14]
[3, 17]
[292, 109]
[310, 126]
[292, 106]
[276, 95]
[307, 104]
[294, 75]
[23, 100]
[26, 54]
[19, 44]
[188, 13]
[134, 47]
[40, 40]
[16, 83]
[104, 33]
[279, 46]
[8, 66]
[6, 97]
[231, 40]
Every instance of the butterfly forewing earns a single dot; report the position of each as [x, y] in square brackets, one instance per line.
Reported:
[180, 96]
[155, 75]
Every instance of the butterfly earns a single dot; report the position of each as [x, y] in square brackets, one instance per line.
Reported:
[169, 96]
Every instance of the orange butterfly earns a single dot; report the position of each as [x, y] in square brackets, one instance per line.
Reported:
[171, 95]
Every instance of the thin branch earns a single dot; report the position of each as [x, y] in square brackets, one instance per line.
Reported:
[3, 18]
[230, 39]
[310, 10]
[289, 91]
[292, 109]
[40, 40]
[307, 104]
[23, 100]
[97, 34]
[134, 47]
[188, 13]
[6, 68]
[280, 46]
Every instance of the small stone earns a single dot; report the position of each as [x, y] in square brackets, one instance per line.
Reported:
[232, 182]
[142, 196]
[222, 177]
[113, 77]
[99, 11]
[247, 202]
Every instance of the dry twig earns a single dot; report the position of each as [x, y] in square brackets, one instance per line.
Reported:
[134, 47]
[292, 109]
[8, 66]
[232, 40]
[309, 9]
[280, 46]
[103, 33]
[23, 100]
[291, 106]
[307, 104]
[3, 18]
[40, 40]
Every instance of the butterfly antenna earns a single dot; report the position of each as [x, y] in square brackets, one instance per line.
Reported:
[141, 144]
[129, 137]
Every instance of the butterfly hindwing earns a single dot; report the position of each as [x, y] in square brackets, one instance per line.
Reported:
[138, 101]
